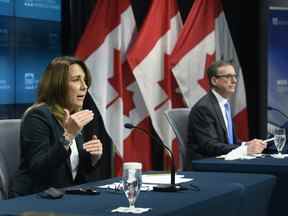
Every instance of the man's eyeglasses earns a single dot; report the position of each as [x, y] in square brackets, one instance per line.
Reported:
[227, 76]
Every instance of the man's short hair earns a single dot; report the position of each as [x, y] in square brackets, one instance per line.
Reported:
[213, 69]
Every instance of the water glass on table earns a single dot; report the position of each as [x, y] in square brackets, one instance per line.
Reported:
[132, 180]
[279, 141]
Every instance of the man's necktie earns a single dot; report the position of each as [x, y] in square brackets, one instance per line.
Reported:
[229, 123]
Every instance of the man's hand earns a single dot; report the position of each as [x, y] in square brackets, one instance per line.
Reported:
[255, 146]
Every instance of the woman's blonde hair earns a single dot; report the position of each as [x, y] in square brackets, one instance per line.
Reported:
[53, 87]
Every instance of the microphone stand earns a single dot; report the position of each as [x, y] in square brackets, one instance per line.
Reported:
[172, 187]
[277, 110]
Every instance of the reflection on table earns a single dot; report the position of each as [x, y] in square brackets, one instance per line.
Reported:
[263, 165]
[209, 194]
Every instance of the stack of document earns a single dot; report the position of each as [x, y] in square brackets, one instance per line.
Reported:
[150, 180]
[163, 179]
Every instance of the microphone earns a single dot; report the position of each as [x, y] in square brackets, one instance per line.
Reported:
[172, 187]
[277, 110]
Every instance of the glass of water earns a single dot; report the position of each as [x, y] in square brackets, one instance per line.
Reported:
[280, 140]
[132, 180]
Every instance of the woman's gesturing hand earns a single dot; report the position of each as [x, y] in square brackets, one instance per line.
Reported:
[75, 122]
[94, 146]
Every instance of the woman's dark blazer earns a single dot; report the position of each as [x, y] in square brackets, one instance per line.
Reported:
[44, 160]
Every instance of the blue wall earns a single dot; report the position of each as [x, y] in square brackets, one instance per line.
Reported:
[30, 36]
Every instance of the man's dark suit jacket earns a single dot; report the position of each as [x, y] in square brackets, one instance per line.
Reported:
[207, 134]
[44, 160]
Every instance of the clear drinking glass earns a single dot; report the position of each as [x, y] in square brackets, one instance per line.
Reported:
[132, 180]
[280, 140]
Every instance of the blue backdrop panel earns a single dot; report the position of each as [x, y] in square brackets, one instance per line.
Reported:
[34, 50]
[6, 7]
[277, 67]
[30, 36]
[39, 9]
[7, 75]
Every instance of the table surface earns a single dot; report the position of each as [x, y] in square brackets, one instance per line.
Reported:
[215, 191]
[265, 165]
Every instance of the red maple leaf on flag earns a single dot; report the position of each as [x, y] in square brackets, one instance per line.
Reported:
[204, 83]
[170, 86]
[120, 82]
[165, 84]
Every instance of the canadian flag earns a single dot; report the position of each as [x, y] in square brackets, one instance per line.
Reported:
[104, 46]
[149, 60]
[204, 38]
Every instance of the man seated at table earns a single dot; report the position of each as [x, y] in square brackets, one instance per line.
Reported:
[211, 131]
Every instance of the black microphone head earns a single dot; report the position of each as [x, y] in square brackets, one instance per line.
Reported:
[269, 108]
[128, 126]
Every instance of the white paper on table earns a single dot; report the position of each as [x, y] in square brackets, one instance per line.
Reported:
[221, 156]
[111, 186]
[163, 179]
[279, 157]
[242, 157]
[149, 181]
[119, 186]
[131, 210]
